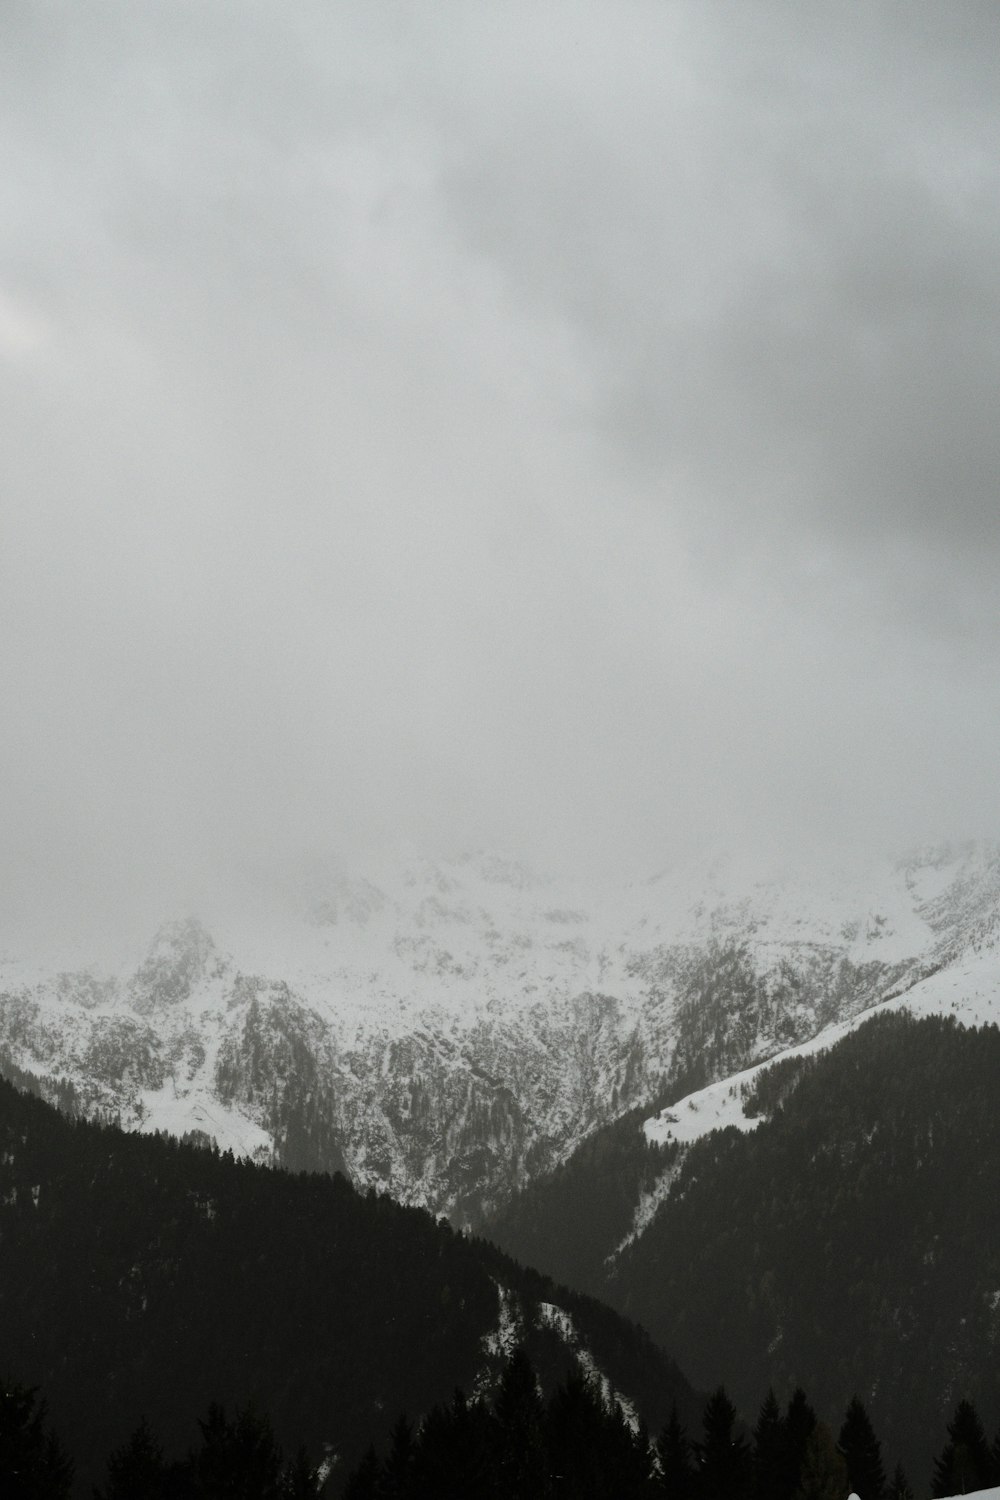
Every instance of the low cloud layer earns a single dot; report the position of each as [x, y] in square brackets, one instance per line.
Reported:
[565, 427]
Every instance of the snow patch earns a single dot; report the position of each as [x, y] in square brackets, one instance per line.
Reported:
[165, 1109]
[560, 1322]
[646, 1210]
[499, 1344]
[712, 1108]
[968, 989]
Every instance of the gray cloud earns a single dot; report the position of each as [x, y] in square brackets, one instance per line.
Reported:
[564, 427]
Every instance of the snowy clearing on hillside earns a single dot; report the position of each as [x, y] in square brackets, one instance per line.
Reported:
[165, 1109]
[969, 990]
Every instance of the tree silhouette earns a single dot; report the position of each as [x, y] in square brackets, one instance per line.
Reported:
[824, 1472]
[237, 1458]
[965, 1463]
[862, 1452]
[724, 1459]
[137, 1468]
[800, 1423]
[33, 1466]
[521, 1466]
[769, 1445]
[676, 1477]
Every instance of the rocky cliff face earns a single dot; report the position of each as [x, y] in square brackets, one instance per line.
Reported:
[450, 1030]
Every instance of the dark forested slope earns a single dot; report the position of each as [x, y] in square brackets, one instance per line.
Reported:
[851, 1243]
[140, 1277]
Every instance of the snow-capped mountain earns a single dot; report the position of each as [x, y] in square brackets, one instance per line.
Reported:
[449, 1030]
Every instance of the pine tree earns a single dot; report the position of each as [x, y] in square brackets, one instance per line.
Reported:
[300, 1481]
[364, 1482]
[575, 1430]
[33, 1466]
[824, 1472]
[239, 1457]
[622, 1457]
[470, 1448]
[768, 1450]
[676, 1477]
[965, 1463]
[724, 1459]
[862, 1453]
[398, 1470]
[800, 1422]
[136, 1468]
[521, 1464]
[899, 1487]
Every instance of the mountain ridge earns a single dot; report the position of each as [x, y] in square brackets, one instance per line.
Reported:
[452, 1030]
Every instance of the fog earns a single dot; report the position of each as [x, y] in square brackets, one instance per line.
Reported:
[563, 428]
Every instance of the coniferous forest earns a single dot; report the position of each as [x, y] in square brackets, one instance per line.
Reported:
[850, 1244]
[144, 1278]
[171, 1313]
[517, 1443]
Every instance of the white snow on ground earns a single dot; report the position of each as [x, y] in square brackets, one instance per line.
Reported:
[721, 1104]
[499, 1344]
[554, 1317]
[978, 1495]
[506, 1336]
[166, 1109]
[708, 1109]
[969, 990]
[649, 1203]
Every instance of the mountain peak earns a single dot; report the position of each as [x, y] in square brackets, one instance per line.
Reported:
[178, 959]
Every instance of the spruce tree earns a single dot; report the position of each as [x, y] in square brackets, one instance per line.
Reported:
[800, 1422]
[363, 1484]
[574, 1429]
[724, 1458]
[238, 1457]
[676, 1475]
[470, 1445]
[862, 1453]
[899, 1486]
[33, 1466]
[622, 1458]
[398, 1469]
[137, 1468]
[965, 1463]
[300, 1481]
[521, 1461]
[768, 1450]
[824, 1472]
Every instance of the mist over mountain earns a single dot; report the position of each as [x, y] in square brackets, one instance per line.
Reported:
[452, 1030]
[565, 433]
[568, 430]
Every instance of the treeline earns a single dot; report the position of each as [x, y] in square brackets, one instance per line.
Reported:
[579, 1445]
[236, 1457]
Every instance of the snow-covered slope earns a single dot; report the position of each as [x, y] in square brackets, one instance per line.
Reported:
[450, 1029]
[968, 989]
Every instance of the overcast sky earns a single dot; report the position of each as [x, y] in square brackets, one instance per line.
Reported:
[564, 427]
